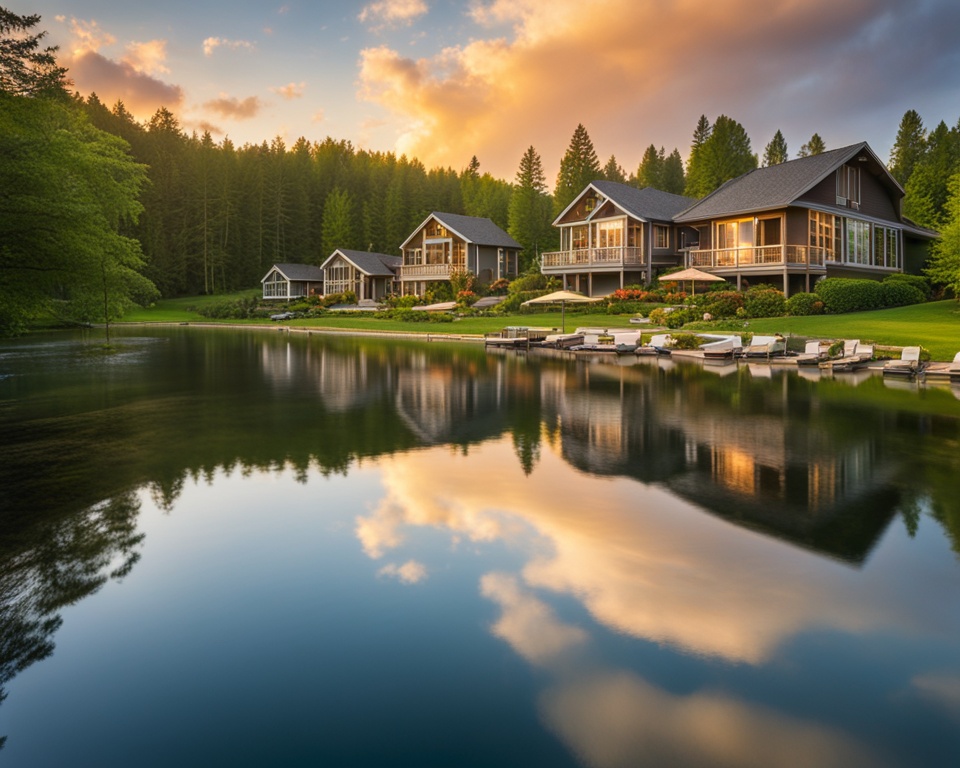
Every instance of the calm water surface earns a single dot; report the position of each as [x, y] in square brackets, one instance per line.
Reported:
[250, 548]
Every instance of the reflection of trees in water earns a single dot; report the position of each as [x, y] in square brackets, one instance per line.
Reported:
[60, 564]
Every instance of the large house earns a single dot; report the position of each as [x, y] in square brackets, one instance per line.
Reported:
[613, 235]
[369, 275]
[446, 243]
[838, 213]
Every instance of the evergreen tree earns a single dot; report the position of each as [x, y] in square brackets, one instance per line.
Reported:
[674, 180]
[813, 147]
[723, 156]
[613, 172]
[944, 266]
[530, 211]
[909, 148]
[25, 69]
[578, 168]
[926, 189]
[695, 164]
[776, 151]
[337, 222]
[650, 172]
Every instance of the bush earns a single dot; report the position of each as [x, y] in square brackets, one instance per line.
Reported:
[805, 304]
[499, 286]
[397, 301]
[919, 282]
[899, 293]
[686, 341]
[720, 304]
[840, 294]
[238, 309]
[764, 301]
[527, 283]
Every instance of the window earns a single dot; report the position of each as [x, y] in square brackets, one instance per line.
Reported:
[848, 185]
[275, 286]
[825, 234]
[609, 234]
[578, 237]
[661, 236]
[886, 251]
[858, 242]
[339, 277]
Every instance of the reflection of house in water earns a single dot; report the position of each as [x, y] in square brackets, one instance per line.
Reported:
[449, 403]
[810, 486]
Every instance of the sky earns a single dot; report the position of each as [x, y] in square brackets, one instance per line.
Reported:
[446, 80]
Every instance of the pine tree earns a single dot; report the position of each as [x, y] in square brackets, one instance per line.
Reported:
[944, 266]
[815, 146]
[909, 148]
[530, 210]
[578, 168]
[25, 69]
[337, 222]
[695, 166]
[776, 151]
[613, 172]
[650, 172]
[674, 180]
[723, 156]
[926, 190]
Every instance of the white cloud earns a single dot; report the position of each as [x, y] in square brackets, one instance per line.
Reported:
[211, 44]
[393, 11]
[290, 91]
[411, 572]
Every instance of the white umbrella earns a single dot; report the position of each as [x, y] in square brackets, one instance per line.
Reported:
[692, 275]
[561, 298]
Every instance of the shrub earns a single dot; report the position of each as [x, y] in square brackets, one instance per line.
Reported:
[402, 302]
[526, 283]
[764, 301]
[805, 304]
[720, 303]
[237, 309]
[899, 293]
[680, 317]
[919, 282]
[686, 341]
[437, 292]
[840, 294]
[499, 286]
[461, 281]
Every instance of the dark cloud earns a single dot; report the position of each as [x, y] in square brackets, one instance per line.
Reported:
[113, 81]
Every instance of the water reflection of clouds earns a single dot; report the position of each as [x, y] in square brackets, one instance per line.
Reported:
[641, 560]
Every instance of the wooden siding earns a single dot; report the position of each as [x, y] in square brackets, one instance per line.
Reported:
[876, 199]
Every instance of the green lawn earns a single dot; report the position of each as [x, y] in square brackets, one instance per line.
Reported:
[935, 326]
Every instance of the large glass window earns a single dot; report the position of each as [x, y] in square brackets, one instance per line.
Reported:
[578, 237]
[858, 242]
[609, 234]
[825, 234]
[339, 277]
[886, 250]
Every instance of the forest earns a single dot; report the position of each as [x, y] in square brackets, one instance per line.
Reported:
[98, 210]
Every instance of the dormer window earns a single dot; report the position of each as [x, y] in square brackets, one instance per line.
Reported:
[848, 186]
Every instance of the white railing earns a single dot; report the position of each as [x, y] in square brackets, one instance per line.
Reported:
[587, 257]
[412, 271]
[755, 256]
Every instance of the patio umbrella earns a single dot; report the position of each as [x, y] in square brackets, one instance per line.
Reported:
[561, 298]
[692, 275]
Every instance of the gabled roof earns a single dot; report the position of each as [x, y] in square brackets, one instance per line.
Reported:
[777, 186]
[368, 262]
[472, 229]
[648, 204]
[297, 272]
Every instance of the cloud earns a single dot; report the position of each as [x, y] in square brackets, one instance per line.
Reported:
[943, 689]
[113, 81]
[290, 91]
[393, 11]
[212, 43]
[411, 572]
[318, 117]
[148, 57]
[560, 64]
[610, 718]
[232, 107]
[527, 623]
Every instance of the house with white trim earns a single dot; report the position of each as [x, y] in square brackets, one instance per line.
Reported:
[292, 281]
[371, 276]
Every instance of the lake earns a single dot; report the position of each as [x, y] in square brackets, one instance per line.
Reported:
[240, 547]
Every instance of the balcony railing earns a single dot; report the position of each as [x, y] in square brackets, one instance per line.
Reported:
[593, 257]
[422, 271]
[757, 256]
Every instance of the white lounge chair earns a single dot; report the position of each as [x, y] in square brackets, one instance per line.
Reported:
[765, 346]
[908, 364]
[657, 345]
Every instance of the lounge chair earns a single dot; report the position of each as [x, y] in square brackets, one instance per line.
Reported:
[766, 347]
[722, 349]
[657, 345]
[908, 365]
[944, 371]
[813, 353]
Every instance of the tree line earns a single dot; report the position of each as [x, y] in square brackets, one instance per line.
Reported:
[154, 210]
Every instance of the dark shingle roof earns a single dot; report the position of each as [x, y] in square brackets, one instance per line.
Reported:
[370, 263]
[775, 186]
[476, 230]
[648, 203]
[299, 271]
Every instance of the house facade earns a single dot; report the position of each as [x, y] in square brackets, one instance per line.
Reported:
[834, 214]
[446, 243]
[371, 276]
[292, 281]
[614, 235]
